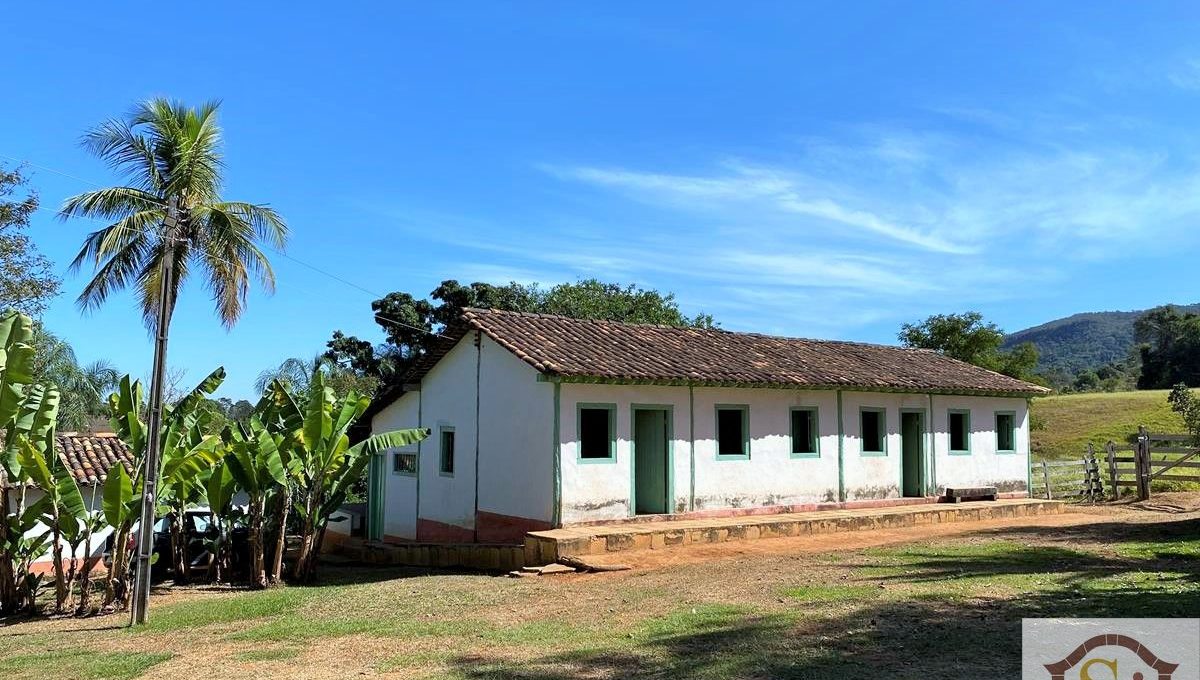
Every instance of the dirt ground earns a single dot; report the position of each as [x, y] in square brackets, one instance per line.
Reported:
[844, 605]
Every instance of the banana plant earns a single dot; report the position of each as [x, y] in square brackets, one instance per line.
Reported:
[219, 490]
[187, 454]
[325, 465]
[27, 412]
[257, 463]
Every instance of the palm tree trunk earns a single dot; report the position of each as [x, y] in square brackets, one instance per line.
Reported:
[281, 540]
[307, 540]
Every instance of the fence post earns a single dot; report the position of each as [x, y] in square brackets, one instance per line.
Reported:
[1111, 450]
[1093, 486]
[1046, 478]
[1141, 464]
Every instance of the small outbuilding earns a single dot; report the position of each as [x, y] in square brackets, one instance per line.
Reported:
[544, 421]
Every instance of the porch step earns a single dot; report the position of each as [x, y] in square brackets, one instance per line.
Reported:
[546, 547]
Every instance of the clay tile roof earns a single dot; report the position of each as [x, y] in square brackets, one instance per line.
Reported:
[89, 456]
[610, 350]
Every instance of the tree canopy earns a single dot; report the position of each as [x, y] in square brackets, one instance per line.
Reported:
[27, 280]
[1169, 345]
[409, 322]
[967, 337]
[167, 150]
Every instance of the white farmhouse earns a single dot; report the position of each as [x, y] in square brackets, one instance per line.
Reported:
[543, 421]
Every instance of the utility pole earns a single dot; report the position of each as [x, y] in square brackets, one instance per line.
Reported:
[141, 589]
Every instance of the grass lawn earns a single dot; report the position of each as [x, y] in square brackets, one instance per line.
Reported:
[916, 609]
[1068, 422]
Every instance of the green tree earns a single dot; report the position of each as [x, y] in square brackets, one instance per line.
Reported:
[83, 386]
[171, 151]
[1169, 346]
[27, 416]
[318, 456]
[27, 280]
[967, 337]
[409, 323]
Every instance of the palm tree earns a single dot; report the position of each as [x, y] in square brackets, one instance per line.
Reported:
[84, 388]
[167, 151]
[293, 373]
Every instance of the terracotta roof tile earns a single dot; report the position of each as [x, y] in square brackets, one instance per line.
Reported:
[89, 456]
[611, 350]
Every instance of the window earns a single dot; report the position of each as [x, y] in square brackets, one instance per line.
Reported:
[1006, 432]
[874, 430]
[447, 448]
[804, 432]
[960, 432]
[404, 463]
[597, 432]
[733, 436]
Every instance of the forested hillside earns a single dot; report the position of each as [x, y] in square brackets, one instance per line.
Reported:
[1083, 341]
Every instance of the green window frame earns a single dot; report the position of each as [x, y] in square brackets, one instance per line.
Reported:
[744, 409]
[882, 432]
[812, 447]
[966, 436]
[446, 450]
[611, 409]
[1008, 431]
[404, 463]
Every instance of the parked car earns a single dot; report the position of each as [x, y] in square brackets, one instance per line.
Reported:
[200, 531]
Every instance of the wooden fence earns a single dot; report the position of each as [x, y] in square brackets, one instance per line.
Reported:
[1153, 457]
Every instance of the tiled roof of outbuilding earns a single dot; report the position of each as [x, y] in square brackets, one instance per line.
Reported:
[625, 352]
[90, 456]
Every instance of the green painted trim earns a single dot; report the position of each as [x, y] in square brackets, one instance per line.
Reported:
[1012, 432]
[745, 409]
[950, 435]
[612, 433]
[556, 511]
[594, 380]
[375, 498]
[932, 490]
[442, 429]
[862, 449]
[478, 436]
[841, 451]
[420, 423]
[691, 448]
[633, 409]
[924, 451]
[1028, 453]
[816, 433]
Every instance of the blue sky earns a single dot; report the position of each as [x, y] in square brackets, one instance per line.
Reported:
[807, 168]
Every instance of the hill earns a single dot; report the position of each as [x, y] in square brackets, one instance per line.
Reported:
[1064, 424]
[1083, 341]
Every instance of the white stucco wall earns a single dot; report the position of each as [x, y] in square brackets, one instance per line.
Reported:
[448, 400]
[399, 490]
[516, 424]
[93, 500]
[772, 476]
[983, 466]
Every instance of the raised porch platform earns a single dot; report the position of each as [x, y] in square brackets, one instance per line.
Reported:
[546, 547]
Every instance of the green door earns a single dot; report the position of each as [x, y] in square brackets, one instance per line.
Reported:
[911, 450]
[375, 499]
[650, 434]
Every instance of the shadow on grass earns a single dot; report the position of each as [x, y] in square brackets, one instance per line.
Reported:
[911, 639]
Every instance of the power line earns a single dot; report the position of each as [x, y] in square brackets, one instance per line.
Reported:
[277, 251]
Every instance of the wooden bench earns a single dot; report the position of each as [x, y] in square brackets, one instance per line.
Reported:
[955, 494]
